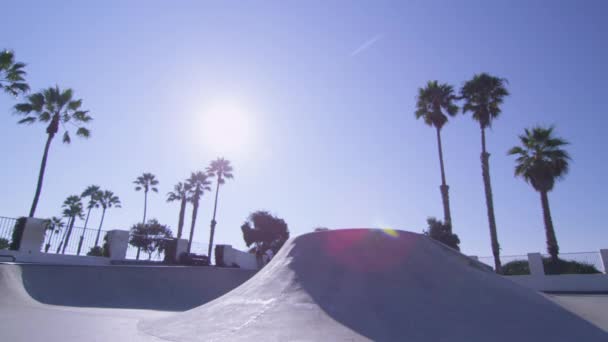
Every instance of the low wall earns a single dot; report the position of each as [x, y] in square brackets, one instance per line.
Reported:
[170, 288]
[575, 283]
[231, 256]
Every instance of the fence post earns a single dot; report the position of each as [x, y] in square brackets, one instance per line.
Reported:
[33, 235]
[604, 255]
[535, 262]
[118, 241]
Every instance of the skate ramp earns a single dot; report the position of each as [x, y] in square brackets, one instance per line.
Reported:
[162, 288]
[365, 284]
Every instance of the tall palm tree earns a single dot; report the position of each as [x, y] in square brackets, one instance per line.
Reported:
[146, 182]
[541, 161]
[106, 199]
[55, 226]
[483, 95]
[223, 170]
[92, 192]
[12, 75]
[197, 184]
[180, 193]
[434, 102]
[72, 209]
[57, 108]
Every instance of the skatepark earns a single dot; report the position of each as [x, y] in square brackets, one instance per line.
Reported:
[341, 285]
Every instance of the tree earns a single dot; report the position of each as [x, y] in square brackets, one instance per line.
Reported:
[180, 193]
[150, 237]
[146, 182]
[92, 192]
[197, 184]
[55, 225]
[72, 209]
[541, 161]
[268, 232]
[12, 75]
[442, 232]
[55, 107]
[483, 95]
[434, 102]
[106, 199]
[223, 170]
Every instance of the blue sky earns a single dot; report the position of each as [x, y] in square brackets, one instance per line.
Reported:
[322, 95]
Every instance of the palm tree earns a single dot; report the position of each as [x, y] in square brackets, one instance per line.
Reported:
[12, 75]
[179, 193]
[55, 225]
[55, 107]
[223, 170]
[541, 161]
[197, 184]
[434, 102]
[146, 182]
[92, 192]
[106, 199]
[72, 209]
[483, 95]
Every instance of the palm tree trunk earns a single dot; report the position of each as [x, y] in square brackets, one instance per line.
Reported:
[552, 247]
[194, 213]
[103, 214]
[41, 173]
[213, 222]
[63, 237]
[67, 237]
[444, 188]
[182, 212]
[84, 230]
[145, 205]
[485, 171]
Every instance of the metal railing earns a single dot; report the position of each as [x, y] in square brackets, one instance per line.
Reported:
[7, 225]
[80, 242]
[504, 259]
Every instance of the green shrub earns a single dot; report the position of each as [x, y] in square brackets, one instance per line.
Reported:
[516, 267]
[103, 251]
[4, 243]
[568, 267]
[18, 233]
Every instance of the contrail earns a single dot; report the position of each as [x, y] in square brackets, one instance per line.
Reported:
[366, 45]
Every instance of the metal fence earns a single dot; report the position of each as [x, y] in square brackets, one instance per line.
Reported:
[158, 254]
[7, 225]
[80, 241]
[590, 258]
[504, 259]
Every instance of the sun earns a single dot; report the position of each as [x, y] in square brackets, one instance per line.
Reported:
[227, 128]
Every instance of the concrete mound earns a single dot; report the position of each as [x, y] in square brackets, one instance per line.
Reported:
[365, 284]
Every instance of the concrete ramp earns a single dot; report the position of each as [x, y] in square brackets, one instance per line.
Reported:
[363, 284]
[163, 288]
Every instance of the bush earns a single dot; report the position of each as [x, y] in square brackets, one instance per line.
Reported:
[103, 251]
[96, 251]
[516, 267]
[441, 232]
[568, 267]
[4, 243]
[521, 267]
[18, 233]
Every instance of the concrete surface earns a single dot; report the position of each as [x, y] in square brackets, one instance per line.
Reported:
[360, 285]
[350, 285]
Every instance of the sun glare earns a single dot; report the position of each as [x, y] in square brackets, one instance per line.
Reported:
[227, 128]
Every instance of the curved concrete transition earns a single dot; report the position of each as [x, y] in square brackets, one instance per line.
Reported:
[363, 284]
